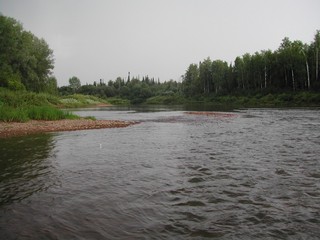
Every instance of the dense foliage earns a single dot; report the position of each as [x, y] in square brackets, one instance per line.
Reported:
[25, 60]
[294, 66]
[134, 90]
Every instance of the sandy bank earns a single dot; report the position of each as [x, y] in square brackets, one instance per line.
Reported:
[9, 129]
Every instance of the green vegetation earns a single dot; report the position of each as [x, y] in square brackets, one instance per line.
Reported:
[133, 91]
[293, 67]
[74, 83]
[286, 99]
[48, 113]
[23, 114]
[21, 106]
[80, 100]
[25, 60]
[288, 76]
[11, 114]
[25, 64]
[118, 101]
[166, 100]
[25, 98]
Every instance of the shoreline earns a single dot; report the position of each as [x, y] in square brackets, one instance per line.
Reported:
[12, 129]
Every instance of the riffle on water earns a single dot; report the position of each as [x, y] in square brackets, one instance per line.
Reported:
[255, 175]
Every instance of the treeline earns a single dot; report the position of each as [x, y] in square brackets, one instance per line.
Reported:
[26, 63]
[134, 89]
[294, 66]
[25, 60]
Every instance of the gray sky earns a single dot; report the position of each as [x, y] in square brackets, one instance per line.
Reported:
[104, 39]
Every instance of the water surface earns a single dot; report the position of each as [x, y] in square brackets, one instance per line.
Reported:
[173, 176]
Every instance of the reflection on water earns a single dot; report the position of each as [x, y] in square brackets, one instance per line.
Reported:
[173, 176]
[25, 166]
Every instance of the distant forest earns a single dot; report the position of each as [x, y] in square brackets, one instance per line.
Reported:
[26, 63]
[293, 67]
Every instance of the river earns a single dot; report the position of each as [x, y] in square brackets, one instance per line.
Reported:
[254, 174]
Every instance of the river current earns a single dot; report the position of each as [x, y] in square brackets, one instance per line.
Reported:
[254, 174]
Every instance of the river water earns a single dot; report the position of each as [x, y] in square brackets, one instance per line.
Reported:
[251, 175]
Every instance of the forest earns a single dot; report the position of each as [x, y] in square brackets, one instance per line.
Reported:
[292, 68]
[27, 62]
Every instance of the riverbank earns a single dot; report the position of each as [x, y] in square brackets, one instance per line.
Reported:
[11, 129]
[22, 106]
[244, 100]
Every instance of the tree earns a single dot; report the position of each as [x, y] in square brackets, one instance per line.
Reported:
[206, 75]
[317, 47]
[74, 83]
[293, 60]
[191, 83]
[239, 72]
[268, 59]
[51, 85]
[10, 31]
[24, 58]
[304, 50]
[220, 75]
[313, 57]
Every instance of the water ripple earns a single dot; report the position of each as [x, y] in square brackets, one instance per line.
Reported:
[174, 176]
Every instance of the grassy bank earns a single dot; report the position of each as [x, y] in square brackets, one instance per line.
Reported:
[290, 99]
[21, 106]
[79, 100]
[166, 100]
[25, 113]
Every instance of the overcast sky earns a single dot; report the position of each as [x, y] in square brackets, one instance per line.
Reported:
[104, 39]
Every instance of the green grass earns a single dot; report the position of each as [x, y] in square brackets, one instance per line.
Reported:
[23, 114]
[166, 100]
[48, 113]
[118, 101]
[24, 98]
[79, 100]
[11, 114]
[21, 106]
[285, 99]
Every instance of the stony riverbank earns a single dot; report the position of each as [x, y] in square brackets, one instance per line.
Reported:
[10, 129]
